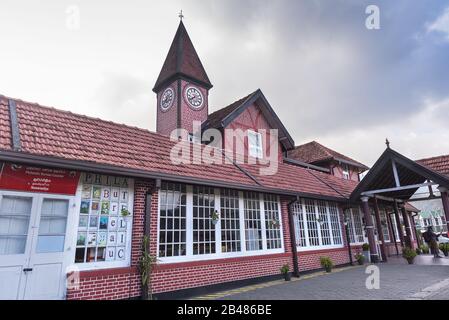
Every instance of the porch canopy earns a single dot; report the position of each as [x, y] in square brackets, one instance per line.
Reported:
[394, 179]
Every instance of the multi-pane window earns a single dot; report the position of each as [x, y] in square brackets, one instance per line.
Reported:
[230, 221]
[395, 227]
[358, 228]
[324, 223]
[298, 218]
[172, 222]
[317, 223]
[203, 221]
[253, 223]
[345, 172]
[272, 222]
[203, 227]
[312, 223]
[255, 144]
[350, 220]
[15, 213]
[335, 223]
[384, 224]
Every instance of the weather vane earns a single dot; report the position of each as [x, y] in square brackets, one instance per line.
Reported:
[181, 16]
[387, 142]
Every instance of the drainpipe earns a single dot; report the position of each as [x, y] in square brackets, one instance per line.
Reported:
[348, 240]
[291, 226]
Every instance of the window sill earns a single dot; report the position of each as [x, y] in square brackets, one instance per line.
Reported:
[221, 256]
[318, 248]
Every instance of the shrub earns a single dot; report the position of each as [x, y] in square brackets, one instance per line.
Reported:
[285, 269]
[360, 258]
[409, 254]
[365, 247]
[445, 248]
[326, 263]
[424, 249]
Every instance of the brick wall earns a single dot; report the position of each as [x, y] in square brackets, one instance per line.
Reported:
[121, 283]
[124, 283]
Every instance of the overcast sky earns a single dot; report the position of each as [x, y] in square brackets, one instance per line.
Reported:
[326, 75]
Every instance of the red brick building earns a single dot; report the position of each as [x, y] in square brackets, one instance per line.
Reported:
[79, 194]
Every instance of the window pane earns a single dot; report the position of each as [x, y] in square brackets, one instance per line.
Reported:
[324, 223]
[335, 223]
[230, 221]
[52, 225]
[172, 224]
[15, 215]
[298, 218]
[312, 224]
[203, 227]
[253, 224]
[272, 222]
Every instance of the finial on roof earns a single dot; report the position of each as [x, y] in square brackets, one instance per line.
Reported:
[387, 142]
[181, 16]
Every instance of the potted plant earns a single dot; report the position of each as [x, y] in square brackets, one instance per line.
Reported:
[285, 271]
[424, 249]
[326, 263]
[445, 248]
[365, 249]
[409, 255]
[145, 267]
[418, 251]
[215, 216]
[360, 258]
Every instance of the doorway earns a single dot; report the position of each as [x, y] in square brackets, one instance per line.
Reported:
[33, 245]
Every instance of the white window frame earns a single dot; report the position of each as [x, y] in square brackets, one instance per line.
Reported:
[129, 229]
[189, 257]
[345, 171]
[255, 151]
[303, 212]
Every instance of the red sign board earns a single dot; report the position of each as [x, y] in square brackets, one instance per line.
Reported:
[37, 179]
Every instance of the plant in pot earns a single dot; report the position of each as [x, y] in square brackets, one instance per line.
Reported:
[360, 258]
[326, 263]
[409, 255]
[424, 249]
[285, 271]
[418, 251]
[215, 216]
[445, 248]
[365, 249]
[145, 266]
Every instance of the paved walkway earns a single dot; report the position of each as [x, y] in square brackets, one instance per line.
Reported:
[427, 279]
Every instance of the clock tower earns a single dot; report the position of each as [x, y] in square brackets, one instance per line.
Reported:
[182, 87]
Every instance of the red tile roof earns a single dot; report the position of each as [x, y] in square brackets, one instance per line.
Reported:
[314, 153]
[439, 164]
[182, 59]
[64, 135]
[215, 118]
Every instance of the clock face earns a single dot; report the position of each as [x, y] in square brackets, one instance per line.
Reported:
[167, 98]
[194, 97]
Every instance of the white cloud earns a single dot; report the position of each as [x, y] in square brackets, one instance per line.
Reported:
[441, 24]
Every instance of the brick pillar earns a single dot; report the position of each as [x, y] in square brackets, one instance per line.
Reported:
[370, 230]
[445, 200]
[408, 228]
[380, 233]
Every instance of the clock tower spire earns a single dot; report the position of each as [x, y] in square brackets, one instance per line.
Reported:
[182, 87]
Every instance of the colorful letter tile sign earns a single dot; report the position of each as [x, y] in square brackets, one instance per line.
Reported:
[105, 218]
[38, 179]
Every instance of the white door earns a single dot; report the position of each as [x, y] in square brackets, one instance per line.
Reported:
[35, 262]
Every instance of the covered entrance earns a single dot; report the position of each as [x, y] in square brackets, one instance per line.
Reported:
[387, 188]
[33, 241]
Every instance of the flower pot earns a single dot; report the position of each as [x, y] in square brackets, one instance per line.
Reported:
[328, 269]
[367, 256]
[410, 260]
[214, 222]
[360, 262]
[287, 276]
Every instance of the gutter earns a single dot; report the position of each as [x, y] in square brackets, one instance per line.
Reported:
[291, 226]
[12, 156]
